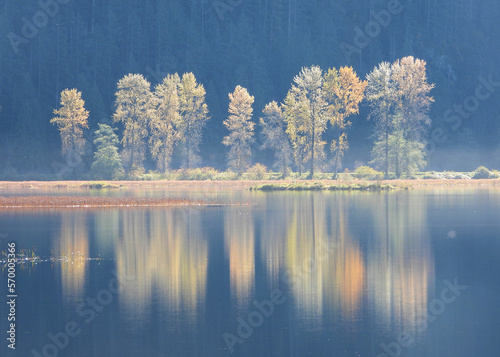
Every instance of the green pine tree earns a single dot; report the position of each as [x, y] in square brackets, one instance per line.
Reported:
[107, 162]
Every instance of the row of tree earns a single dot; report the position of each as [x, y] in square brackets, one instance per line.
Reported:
[171, 118]
[295, 128]
[399, 102]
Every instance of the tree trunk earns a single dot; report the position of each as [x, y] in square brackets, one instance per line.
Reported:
[397, 164]
[387, 153]
[187, 146]
[311, 175]
[337, 155]
[187, 154]
[336, 167]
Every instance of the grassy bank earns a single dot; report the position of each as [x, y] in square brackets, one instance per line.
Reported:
[61, 186]
[322, 186]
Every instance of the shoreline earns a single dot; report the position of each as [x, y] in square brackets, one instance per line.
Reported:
[6, 186]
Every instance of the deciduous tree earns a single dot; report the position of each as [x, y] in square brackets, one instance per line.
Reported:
[305, 110]
[343, 92]
[165, 121]
[240, 126]
[380, 95]
[194, 116]
[71, 119]
[134, 108]
[412, 96]
[400, 103]
[297, 119]
[273, 125]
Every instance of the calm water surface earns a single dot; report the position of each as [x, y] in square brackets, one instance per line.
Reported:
[409, 273]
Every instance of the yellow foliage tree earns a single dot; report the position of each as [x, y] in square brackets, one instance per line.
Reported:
[71, 119]
[305, 111]
[134, 109]
[240, 126]
[165, 121]
[343, 91]
[194, 116]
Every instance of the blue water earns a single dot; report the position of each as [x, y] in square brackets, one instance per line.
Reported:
[408, 273]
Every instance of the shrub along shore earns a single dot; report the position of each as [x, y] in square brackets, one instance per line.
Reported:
[258, 172]
[57, 188]
[363, 179]
[321, 186]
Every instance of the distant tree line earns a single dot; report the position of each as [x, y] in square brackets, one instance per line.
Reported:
[169, 120]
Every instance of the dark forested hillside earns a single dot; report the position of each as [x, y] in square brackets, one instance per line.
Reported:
[47, 46]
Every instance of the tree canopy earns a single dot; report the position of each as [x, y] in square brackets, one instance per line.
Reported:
[134, 107]
[400, 103]
[71, 119]
[240, 126]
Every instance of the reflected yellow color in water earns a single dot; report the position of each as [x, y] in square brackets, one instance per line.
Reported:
[239, 240]
[132, 254]
[400, 265]
[347, 262]
[72, 247]
[326, 263]
[305, 259]
[184, 271]
[273, 233]
[311, 239]
[336, 263]
[162, 252]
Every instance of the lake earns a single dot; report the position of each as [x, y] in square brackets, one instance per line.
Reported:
[403, 273]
